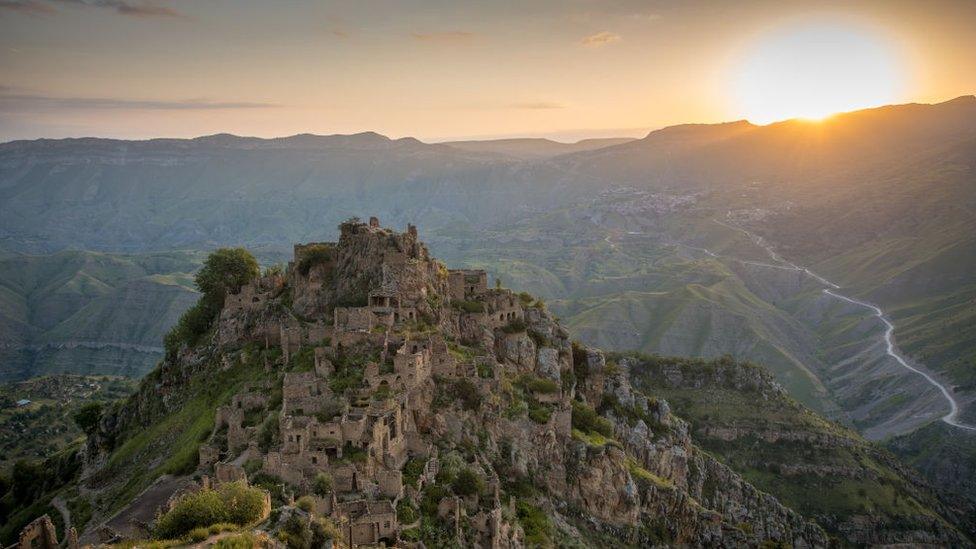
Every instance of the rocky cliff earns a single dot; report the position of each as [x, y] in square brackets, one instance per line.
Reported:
[413, 403]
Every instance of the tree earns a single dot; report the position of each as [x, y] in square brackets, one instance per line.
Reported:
[225, 271]
[88, 416]
[467, 483]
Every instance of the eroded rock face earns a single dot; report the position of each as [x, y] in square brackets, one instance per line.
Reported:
[519, 349]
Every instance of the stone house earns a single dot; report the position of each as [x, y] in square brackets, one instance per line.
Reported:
[466, 284]
[367, 522]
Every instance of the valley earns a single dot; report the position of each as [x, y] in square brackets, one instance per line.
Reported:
[857, 298]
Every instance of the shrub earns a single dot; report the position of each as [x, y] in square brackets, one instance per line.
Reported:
[88, 416]
[467, 392]
[587, 420]
[467, 483]
[234, 503]
[514, 327]
[296, 533]
[316, 254]
[225, 271]
[537, 384]
[322, 485]
[536, 524]
[412, 470]
[406, 512]
[305, 503]
[539, 413]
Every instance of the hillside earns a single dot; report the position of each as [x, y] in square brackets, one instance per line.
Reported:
[46, 425]
[853, 488]
[85, 312]
[879, 201]
[412, 402]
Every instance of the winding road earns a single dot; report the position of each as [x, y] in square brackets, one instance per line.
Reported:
[952, 418]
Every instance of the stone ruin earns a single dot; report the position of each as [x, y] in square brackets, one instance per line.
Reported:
[41, 534]
[381, 293]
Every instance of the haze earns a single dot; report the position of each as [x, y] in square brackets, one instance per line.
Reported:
[447, 70]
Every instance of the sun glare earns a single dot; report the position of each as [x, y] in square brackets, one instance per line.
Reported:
[814, 70]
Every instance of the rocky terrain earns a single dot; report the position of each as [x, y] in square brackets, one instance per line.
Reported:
[379, 396]
[856, 490]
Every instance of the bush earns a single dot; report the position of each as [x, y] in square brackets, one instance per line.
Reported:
[412, 470]
[303, 533]
[322, 485]
[539, 413]
[537, 385]
[467, 483]
[467, 392]
[587, 420]
[225, 271]
[198, 534]
[305, 503]
[296, 533]
[536, 524]
[514, 327]
[406, 512]
[316, 254]
[88, 416]
[234, 503]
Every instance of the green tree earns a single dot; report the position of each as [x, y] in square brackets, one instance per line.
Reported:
[467, 483]
[225, 271]
[87, 417]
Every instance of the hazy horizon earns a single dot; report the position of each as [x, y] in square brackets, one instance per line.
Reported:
[133, 69]
[581, 135]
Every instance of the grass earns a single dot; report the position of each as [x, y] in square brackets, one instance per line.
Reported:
[594, 439]
[170, 445]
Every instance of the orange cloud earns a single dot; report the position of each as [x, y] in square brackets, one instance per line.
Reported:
[600, 39]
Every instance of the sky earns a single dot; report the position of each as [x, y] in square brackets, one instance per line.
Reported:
[440, 70]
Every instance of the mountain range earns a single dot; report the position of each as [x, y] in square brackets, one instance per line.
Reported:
[681, 242]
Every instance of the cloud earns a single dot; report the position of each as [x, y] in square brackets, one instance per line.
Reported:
[19, 103]
[127, 7]
[444, 37]
[537, 105]
[600, 39]
[32, 7]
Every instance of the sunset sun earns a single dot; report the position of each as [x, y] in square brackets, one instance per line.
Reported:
[814, 70]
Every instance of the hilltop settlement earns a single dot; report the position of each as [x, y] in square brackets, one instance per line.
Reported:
[366, 395]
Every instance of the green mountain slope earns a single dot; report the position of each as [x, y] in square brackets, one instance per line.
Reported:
[848, 485]
[85, 312]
